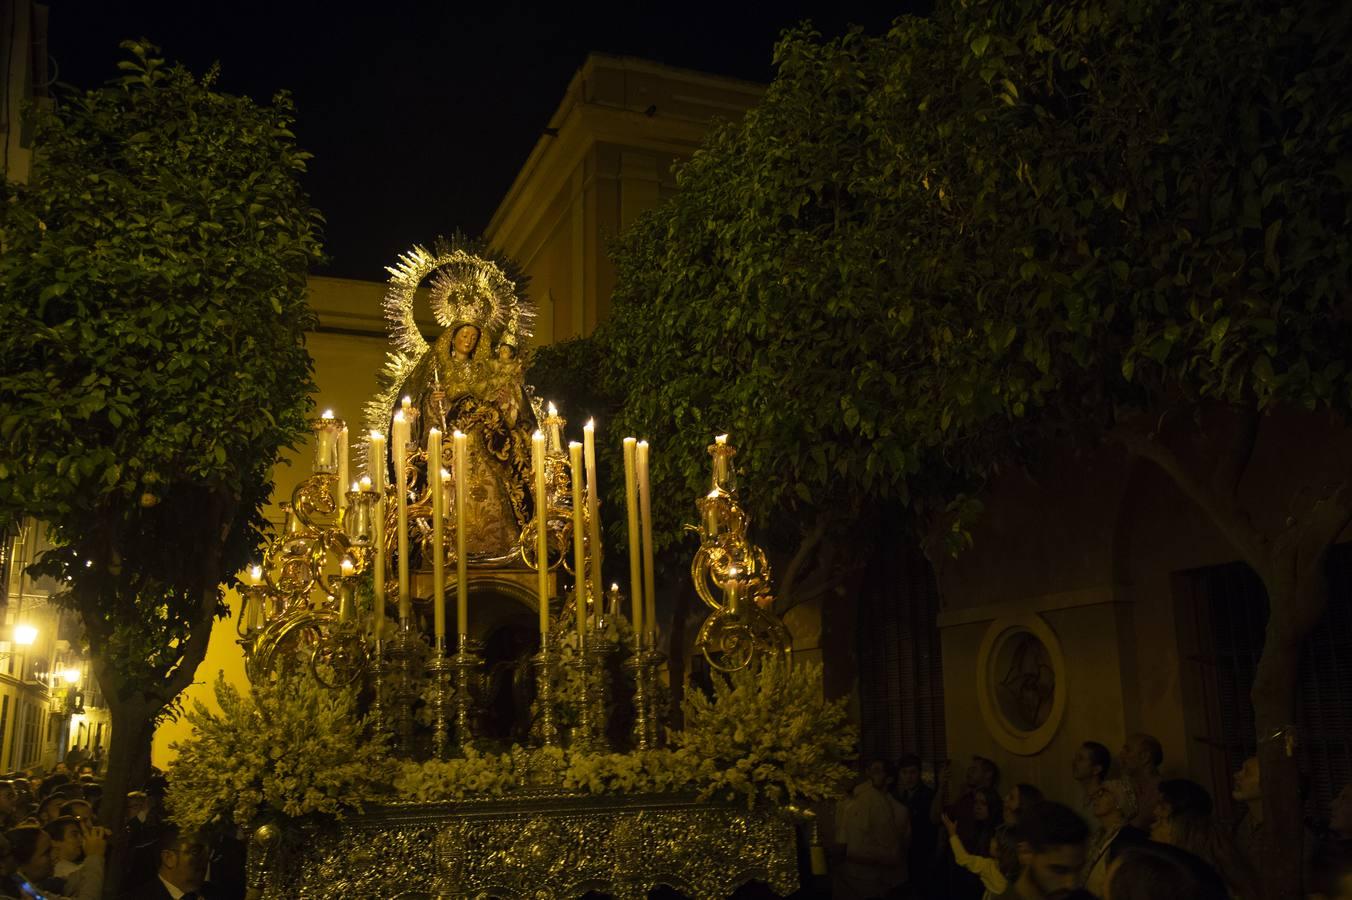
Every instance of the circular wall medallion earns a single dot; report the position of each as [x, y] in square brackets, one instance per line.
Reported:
[1021, 683]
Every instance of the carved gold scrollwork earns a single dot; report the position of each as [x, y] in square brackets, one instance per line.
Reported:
[549, 846]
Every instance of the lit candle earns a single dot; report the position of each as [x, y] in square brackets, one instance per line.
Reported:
[375, 461]
[253, 599]
[635, 540]
[461, 571]
[435, 475]
[326, 444]
[555, 444]
[645, 510]
[348, 569]
[579, 544]
[363, 484]
[401, 499]
[342, 466]
[541, 532]
[376, 467]
[593, 507]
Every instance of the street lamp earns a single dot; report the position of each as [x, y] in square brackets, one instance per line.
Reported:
[25, 635]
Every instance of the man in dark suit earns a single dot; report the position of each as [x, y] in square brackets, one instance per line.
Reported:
[917, 797]
[182, 869]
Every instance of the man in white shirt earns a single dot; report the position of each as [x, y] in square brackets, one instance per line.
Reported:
[68, 852]
[876, 832]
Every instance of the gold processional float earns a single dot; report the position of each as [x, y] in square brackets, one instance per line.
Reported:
[476, 478]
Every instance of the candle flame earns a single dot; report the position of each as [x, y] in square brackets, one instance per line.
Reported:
[643, 444]
[399, 416]
[365, 482]
[407, 402]
[326, 414]
[256, 573]
[590, 426]
[377, 436]
[538, 435]
[459, 435]
[432, 431]
[721, 439]
[552, 409]
[347, 566]
[572, 444]
[614, 586]
[356, 487]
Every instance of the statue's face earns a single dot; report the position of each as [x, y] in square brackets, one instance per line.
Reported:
[506, 351]
[465, 339]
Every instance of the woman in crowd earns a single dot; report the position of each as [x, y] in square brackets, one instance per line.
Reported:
[1114, 806]
[1020, 797]
[1183, 819]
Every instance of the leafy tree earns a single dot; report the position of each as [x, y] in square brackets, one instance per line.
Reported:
[930, 254]
[153, 366]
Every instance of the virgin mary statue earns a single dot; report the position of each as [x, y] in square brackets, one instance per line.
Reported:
[468, 379]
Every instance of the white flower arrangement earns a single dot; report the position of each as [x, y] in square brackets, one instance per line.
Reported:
[293, 747]
[455, 779]
[766, 734]
[769, 734]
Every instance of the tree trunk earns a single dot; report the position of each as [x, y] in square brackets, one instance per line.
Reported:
[1274, 708]
[133, 724]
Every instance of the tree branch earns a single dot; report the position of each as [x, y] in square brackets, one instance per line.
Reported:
[1222, 509]
[804, 552]
[1230, 473]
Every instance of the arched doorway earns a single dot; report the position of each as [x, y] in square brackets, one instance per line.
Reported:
[503, 618]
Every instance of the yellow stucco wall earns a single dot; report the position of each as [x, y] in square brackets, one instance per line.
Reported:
[348, 349]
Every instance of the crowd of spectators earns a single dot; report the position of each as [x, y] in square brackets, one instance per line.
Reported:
[54, 845]
[1128, 834]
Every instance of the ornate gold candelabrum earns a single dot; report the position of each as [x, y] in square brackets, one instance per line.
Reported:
[301, 601]
[403, 655]
[740, 625]
[466, 664]
[439, 671]
[644, 664]
[584, 732]
[545, 729]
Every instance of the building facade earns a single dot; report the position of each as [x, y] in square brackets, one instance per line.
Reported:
[606, 156]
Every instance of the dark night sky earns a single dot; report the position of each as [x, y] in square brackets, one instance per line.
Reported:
[420, 114]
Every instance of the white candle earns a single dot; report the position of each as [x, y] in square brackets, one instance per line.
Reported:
[376, 467]
[541, 532]
[345, 600]
[434, 478]
[253, 599]
[555, 444]
[645, 509]
[342, 466]
[326, 445]
[635, 540]
[401, 499]
[593, 507]
[579, 544]
[375, 461]
[461, 571]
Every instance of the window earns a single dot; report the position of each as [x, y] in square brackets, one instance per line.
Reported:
[1231, 608]
[901, 675]
[4, 721]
